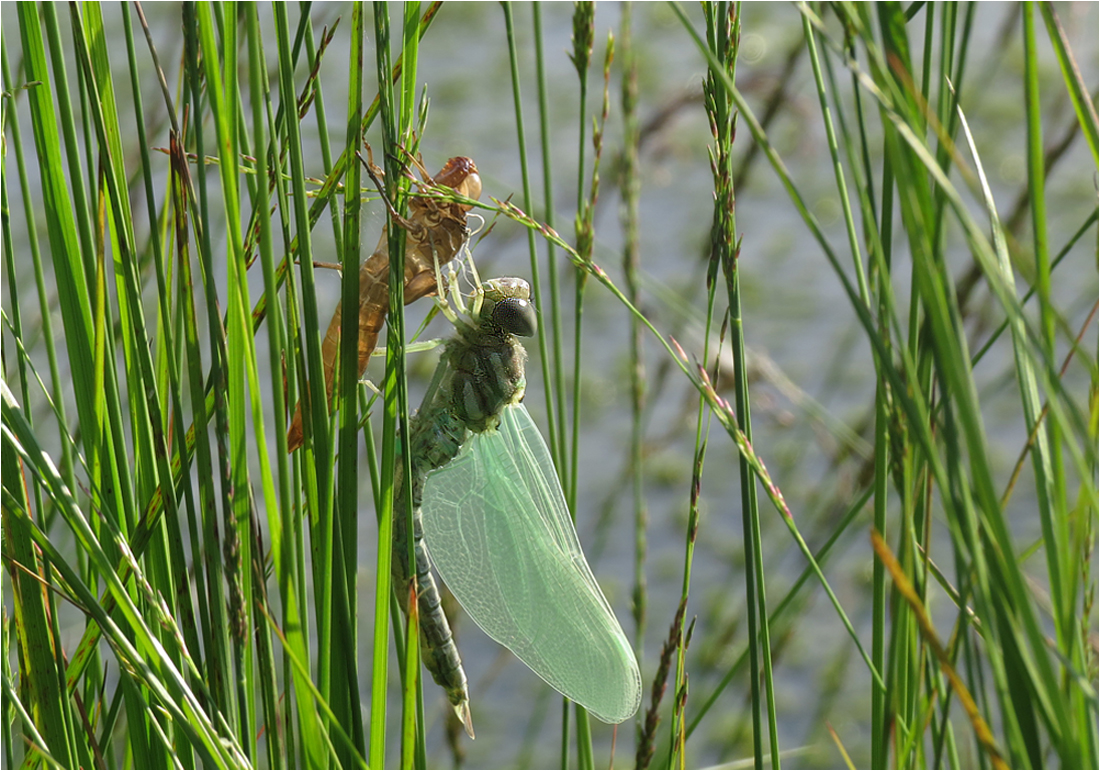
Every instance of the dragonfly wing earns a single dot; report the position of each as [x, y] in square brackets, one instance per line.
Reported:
[499, 533]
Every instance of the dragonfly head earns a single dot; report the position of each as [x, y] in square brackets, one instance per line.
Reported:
[507, 305]
[515, 315]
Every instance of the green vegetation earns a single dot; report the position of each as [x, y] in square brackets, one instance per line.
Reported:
[180, 591]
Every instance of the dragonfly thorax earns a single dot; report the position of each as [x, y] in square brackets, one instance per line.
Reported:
[487, 374]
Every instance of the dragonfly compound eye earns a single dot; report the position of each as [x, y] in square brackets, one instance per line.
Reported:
[517, 316]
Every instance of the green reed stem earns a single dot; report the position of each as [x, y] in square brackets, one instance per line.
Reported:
[630, 187]
[555, 419]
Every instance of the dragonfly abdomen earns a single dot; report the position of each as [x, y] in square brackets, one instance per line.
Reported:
[432, 443]
[436, 639]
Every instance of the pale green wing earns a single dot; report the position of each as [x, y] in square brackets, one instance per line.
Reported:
[499, 533]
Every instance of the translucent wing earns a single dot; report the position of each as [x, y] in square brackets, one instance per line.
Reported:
[499, 534]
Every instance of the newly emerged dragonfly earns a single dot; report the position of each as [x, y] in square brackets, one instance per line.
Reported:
[489, 514]
[436, 230]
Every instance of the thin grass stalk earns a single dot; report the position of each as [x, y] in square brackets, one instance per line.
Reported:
[409, 671]
[889, 659]
[243, 382]
[413, 750]
[395, 135]
[259, 98]
[315, 468]
[584, 17]
[216, 629]
[386, 492]
[412, 739]
[675, 644]
[865, 191]
[313, 54]
[230, 432]
[555, 420]
[859, 164]
[288, 535]
[67, 123]
[11, 470]
[248, 591]
[275, 741]
[906, 647]
[834, 153]
[556, 436]
[951, 80]
[597, 144]
[1071, 74]
[630, 186]
[882, 444]
[880, 707]
[184, 198]
[123, 476]
[344, 688]
[287, 531]
[724, 30]
[93, 74]
[286, 526]
[1089, 222]
[1047, 452]
[256, 678]
[323, 739]
[414, 123]
[182, 202]
[937, 676]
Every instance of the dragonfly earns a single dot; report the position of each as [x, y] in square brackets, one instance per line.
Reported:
[489, 514]
[436, 231]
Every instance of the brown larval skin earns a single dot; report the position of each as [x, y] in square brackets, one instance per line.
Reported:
[435, 231]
